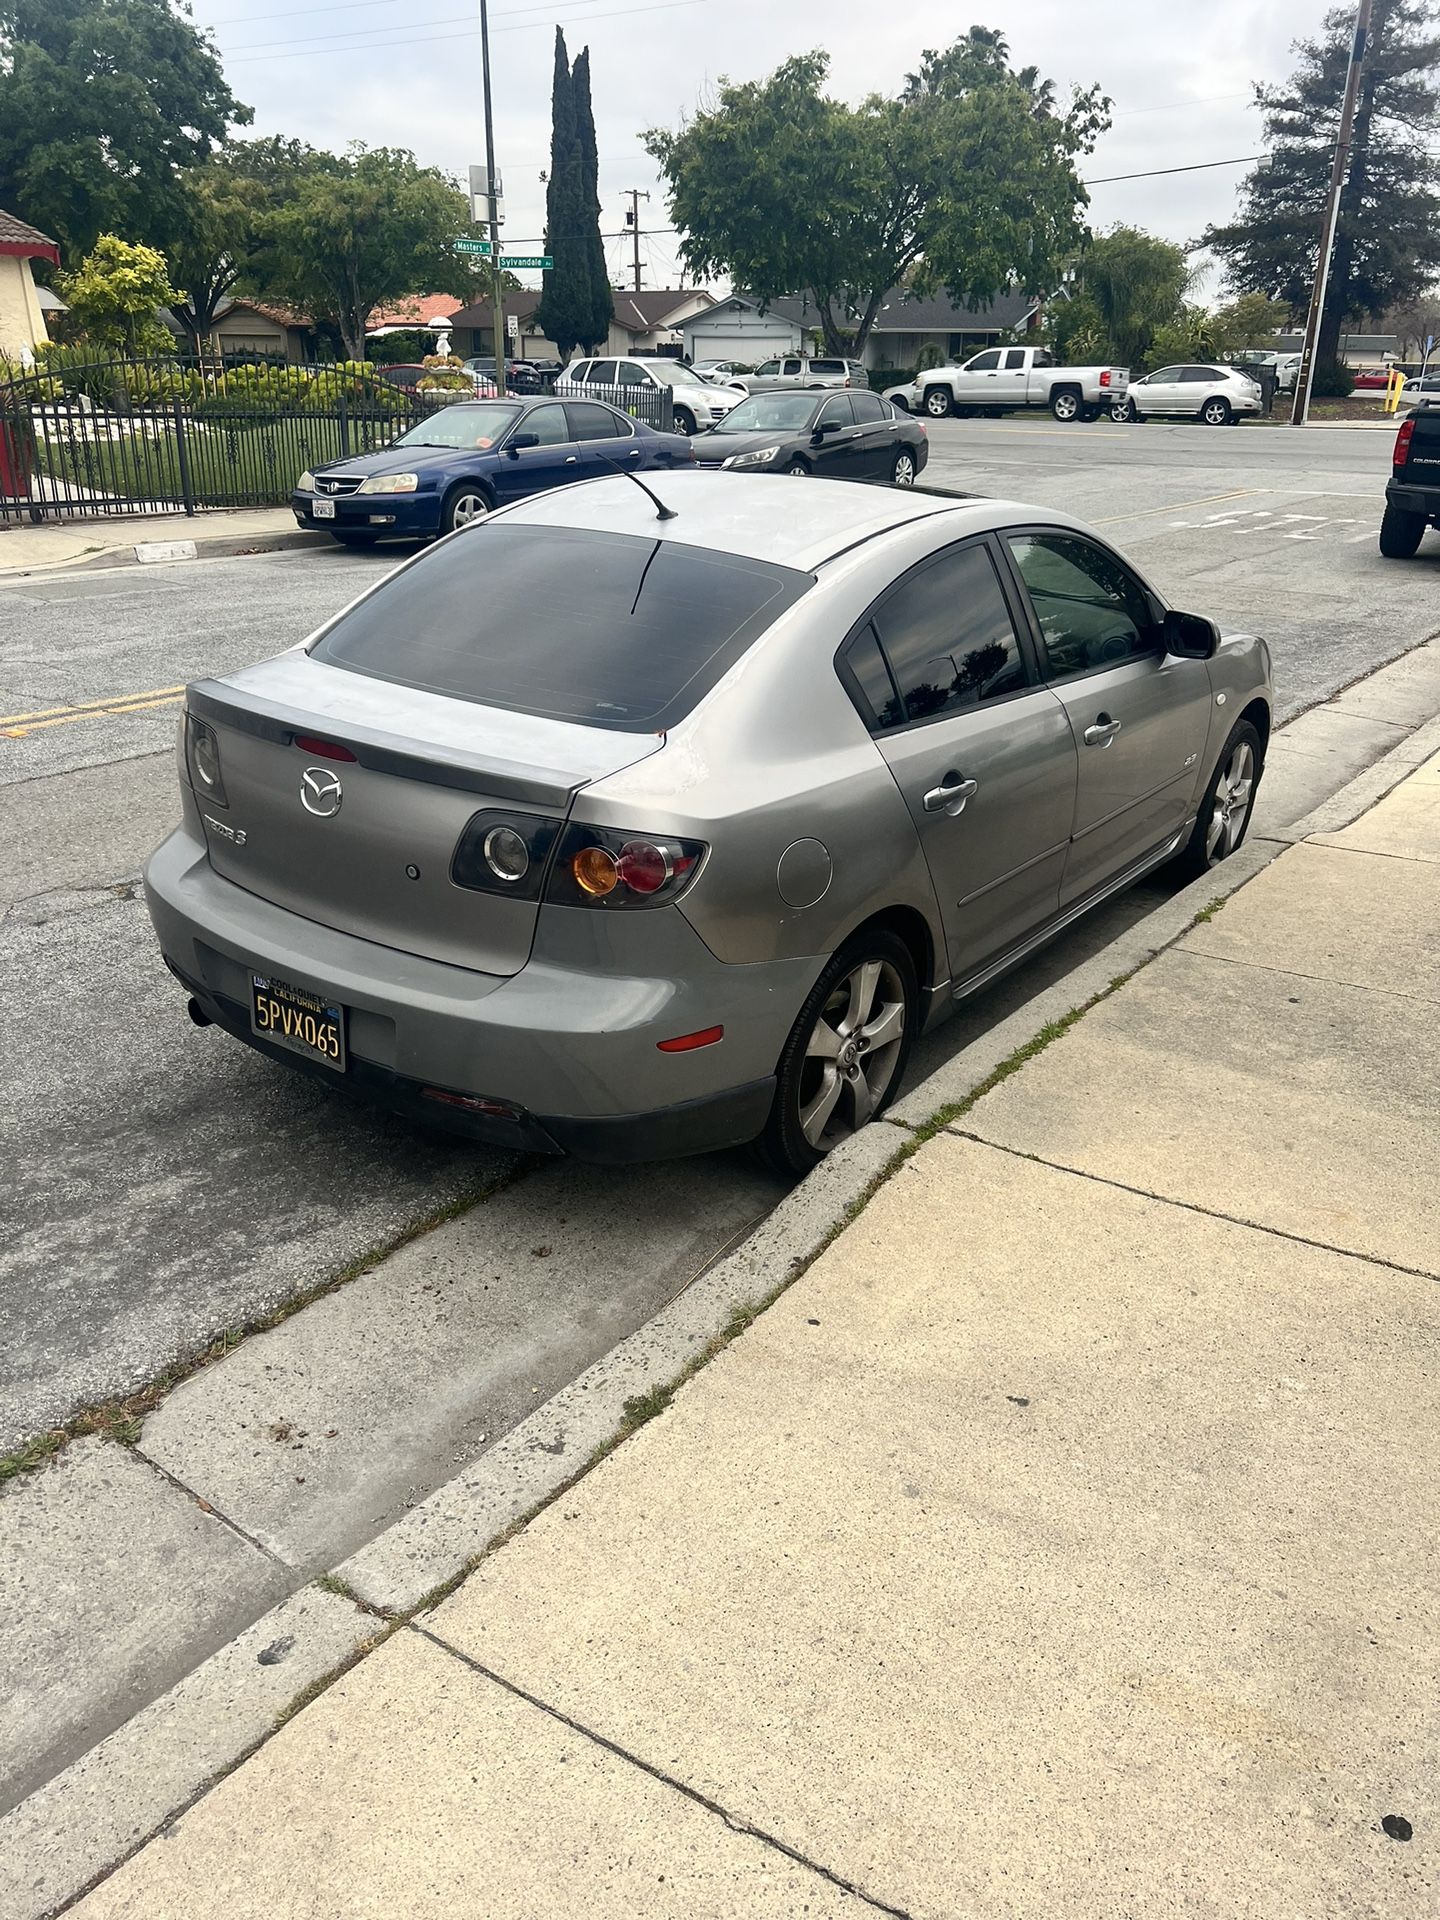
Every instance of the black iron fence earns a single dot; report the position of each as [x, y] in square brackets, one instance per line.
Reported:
[83, 439]
[655, 405]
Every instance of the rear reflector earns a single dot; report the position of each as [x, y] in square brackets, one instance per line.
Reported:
[322, 749]
[470, 1103]
[687, 1042]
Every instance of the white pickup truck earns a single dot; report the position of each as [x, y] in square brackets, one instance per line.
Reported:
[1004, 379]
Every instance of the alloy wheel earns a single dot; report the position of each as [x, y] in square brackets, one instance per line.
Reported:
[904, 474]
[466, 507]
[852, 1053]
[1233, 796]
[1215, 412]
[937, 403]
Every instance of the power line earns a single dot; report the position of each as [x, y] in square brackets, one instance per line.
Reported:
[421, 39]
[390, 26]
[356, 6]
[1152, 173]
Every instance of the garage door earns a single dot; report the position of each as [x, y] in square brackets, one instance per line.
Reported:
[748, 347]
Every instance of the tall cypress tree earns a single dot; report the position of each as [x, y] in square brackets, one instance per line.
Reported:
[564, 311]
[602, 306]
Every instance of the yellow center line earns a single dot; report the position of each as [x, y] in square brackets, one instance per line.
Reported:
[81, 707]
[66, 719]
[1183, 506]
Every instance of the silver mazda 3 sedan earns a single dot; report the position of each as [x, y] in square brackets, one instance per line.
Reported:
[632, 829]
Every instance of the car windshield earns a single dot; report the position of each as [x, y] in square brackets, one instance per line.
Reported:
[674, 375]
[771, 413]
[620, 631]
[461, 427]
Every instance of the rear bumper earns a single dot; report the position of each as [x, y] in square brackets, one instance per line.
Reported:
[1407, 499]
[379, 514]
[564, 1054]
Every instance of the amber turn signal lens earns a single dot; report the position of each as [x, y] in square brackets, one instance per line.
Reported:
[596, 870]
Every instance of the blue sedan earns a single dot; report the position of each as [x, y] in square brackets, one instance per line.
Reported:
[465, 461]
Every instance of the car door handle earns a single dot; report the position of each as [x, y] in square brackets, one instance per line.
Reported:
[1103, 731]
[572, 460]
[634, 454]
[950, 796]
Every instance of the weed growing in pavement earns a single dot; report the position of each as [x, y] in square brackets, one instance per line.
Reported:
[1208, 913]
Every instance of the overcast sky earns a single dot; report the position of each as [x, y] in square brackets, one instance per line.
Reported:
[407, 73]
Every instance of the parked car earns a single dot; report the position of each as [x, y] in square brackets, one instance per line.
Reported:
[466, 460]
[1412, 497]
[509, 845]
[799, 370]
[1220, 396]
[406, 374]
[841, 436]
[1285, 365]
[1008, 379]
[718, 372]
[520, 376]
[697, 404]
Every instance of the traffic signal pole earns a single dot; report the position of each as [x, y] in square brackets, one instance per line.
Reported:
[1300, 411]
[497, 287]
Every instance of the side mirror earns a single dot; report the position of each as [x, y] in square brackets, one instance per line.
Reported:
[522, 440]
[826, 426]
[1190, 636]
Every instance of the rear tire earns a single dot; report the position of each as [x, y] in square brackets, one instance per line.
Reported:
[938, 402]
[1217, 411]
[1224, 816]
[846, 1053]
[1065, 404]
[902, 474]
[1089, 415]
[1401, 533]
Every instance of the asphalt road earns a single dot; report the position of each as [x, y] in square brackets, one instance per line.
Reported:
[164, 1184]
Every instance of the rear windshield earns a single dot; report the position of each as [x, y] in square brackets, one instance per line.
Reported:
[608, 629]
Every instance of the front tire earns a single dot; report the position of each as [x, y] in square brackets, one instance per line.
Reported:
[938, 402]
[1401, 533]
[1065, 404]
[797, 465]
[463, 505]
[1224, 816]
[1121, 412]
[684, 421]
[902, 474]
[845, 1055]
[1217, 411]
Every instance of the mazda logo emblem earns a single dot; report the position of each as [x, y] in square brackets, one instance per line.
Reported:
[320, 792]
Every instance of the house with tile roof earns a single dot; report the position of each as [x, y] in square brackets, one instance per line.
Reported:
[22, 324]
[739, 328]
[646, 323]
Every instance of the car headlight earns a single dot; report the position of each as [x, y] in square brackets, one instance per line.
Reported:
[389, 483]
[306, 482]
[762, 458]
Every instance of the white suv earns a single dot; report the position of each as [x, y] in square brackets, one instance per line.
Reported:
[1216, 395]
[794, 370]
[697, 403]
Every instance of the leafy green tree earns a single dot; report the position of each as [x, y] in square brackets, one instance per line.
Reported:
[103, 104]
[352, 231]
[966, 181]
[597, 273]
[1387, 244]
[220, 228]
[114, 294]
[1124, 285]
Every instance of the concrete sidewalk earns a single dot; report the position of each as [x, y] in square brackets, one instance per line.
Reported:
[26, 547]
[1061, 1544]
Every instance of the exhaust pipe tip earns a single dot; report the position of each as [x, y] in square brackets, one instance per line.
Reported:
[197, 1013]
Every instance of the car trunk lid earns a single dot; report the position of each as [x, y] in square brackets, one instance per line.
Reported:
[365, 844]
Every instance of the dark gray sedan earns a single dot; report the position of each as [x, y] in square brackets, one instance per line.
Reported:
[843, 436]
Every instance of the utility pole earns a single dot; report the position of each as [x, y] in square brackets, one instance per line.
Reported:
[1300, 411]
[497, 286]
[632, 220]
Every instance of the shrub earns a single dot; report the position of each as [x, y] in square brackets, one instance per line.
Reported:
[400, 349]
[929, 356]
[1330, 381]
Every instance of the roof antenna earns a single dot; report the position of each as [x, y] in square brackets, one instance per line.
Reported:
[662, 512]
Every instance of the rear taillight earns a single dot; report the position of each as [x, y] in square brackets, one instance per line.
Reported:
[1402, 442]
[612, 867]
[505, 853]
[1104, 376]
[202, 756]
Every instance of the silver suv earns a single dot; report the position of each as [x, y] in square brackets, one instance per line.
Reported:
[794, 370]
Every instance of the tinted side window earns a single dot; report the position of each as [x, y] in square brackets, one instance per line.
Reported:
[1014, 358]
[880, 704]
[791, 366]
[1092, 612]
[869, 407]
[633, 376]
[827, 366]
[948, 636]
[985, 362]
[589, 421]
[768, 366]
[580, 370]
[1200, 373]
[601, 374]
[547, 424]
[837, 410]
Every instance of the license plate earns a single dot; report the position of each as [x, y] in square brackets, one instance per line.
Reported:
[323, 509]
[294, 1018]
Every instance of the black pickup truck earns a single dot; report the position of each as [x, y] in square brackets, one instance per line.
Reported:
[1412, 499]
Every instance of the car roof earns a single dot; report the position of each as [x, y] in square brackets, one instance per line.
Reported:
[739, 513]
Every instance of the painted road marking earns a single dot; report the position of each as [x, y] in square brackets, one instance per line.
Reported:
[15, 726]
[1183, 506]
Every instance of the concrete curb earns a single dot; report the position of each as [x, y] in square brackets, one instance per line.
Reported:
[78, 1826]
[81, 1824]
[217, 547]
